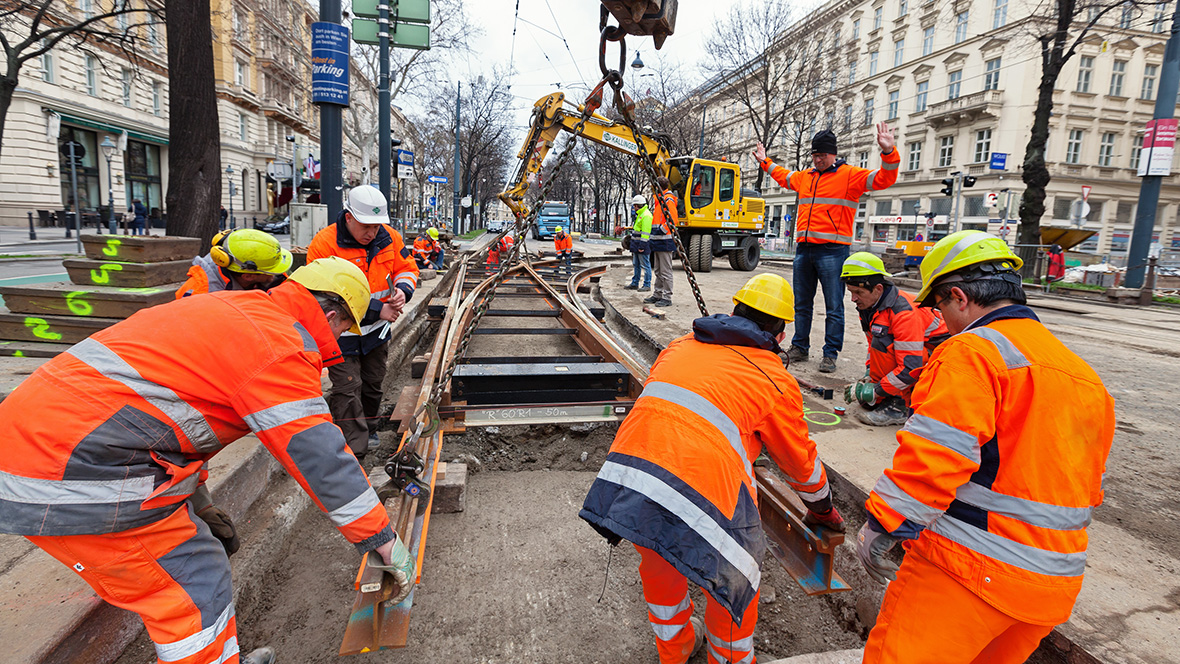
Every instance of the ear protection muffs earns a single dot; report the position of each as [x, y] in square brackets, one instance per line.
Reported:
[223, 257]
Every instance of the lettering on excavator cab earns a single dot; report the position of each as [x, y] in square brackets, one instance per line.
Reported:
[41, 330]
[101, 275]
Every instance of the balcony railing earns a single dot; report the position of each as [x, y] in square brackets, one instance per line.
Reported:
[968, 108]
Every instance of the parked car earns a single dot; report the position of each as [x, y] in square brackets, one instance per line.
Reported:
[277, 227]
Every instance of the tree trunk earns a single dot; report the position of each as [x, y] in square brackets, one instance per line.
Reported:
[194, 156]
[1035, 174]
[7, 88]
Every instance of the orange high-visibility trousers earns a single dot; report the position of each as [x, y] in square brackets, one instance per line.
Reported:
[927, 617]
[173, 573]
[669, 607]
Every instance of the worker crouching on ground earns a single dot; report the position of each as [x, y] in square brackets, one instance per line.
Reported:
[428, 251]
[501, 248]
[563, 245]
[640, 245]
[361, 236]
[662, 245]
[245, 259]
[901, 336]
[106, 442]
[679, 484]
[996, 476]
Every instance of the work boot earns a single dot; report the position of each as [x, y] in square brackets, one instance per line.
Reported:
[631, 287]
[663, 302]
[651, 299]
[827, 365]
[260, 656]
[892, 413]
[645, 288]
[698, 630]
[796, 354]
[374, 442]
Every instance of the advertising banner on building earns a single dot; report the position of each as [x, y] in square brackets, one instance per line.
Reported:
[1159, 144]
[329, 63]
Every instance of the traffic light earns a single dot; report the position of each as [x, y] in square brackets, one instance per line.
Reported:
[968, 180]
[948, 187]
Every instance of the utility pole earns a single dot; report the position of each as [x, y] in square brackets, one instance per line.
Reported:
[331, 136]
[384, 147]
[701, 147]
[958, 194]
[1149, 189]
[455, 202]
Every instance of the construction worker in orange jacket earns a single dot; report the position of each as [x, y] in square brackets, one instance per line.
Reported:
[238, 260]
[501, 248]
[901, 335]
[662, 244]
[107, 489]
[678, 482]
[828, 197]
[995, 478]
[427, 250]
[563, 244]
[360, 235]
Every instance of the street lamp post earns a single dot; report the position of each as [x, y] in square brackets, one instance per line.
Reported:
[108, 150]
[229, 171]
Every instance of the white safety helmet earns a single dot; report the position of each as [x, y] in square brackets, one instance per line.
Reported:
[638, 200]
[367, 205]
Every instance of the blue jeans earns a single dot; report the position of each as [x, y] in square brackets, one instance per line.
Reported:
[642, 263]
[819, 264]
[438, 262]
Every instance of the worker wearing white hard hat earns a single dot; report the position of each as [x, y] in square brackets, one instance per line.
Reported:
[640, 245]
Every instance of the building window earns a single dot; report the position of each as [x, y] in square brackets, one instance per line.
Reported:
[1117, 72]
[1061, 207]
[87, 8]
[92, 81]
[898, 52]
[877, 15]
[974, 206]
[128, 82]
[240, 73]
[829, 120]
[121, 19]
[983, 146]
[954, 84]
[960, 27]
[1147, 91]
[915, 159]
[940, 206]
[873, 63]
[1085, 71]
[1136, 151]
[1073, 147]
[991, 77]
[928, 41]
[848, 118]
[920, 98]
[1125, 212]
[86, 168]
[869, 111]
[884, 208]
[1000, 15]
[141, 162]
[243, 127]
[851, 73]
[156, 98]
[1106, 150]
[863, 159]
[893, 105]
[47, 70]
[153, 37]
[1127, 17]
[856, 30]
[1157, 22]
[946, 151]
[903, 8]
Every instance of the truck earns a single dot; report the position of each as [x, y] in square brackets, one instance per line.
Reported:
[552, 215]
[716, 216]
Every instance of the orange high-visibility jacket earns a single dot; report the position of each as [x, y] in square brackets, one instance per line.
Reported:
[505, 243]
[425, 247]
[661, 228]
[563, 242]
[384, 259]
[204, 276]
[828, 200]
[678, 478]
[115, 432]
[901, 336]
[1001, 464]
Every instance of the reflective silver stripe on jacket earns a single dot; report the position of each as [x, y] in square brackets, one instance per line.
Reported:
[1032, 559]
[360, 506]
[909, 345]
[184, 487]
[718, 657]
[108, 363]
[890, 165]
[669, 611]
[955, 440]
[685, 510]
[843, 202]
[933, 326]
[903, 503]
[18, 489]
[745, 644]
[195, 643]
[667, 632]
[1013, 358]
[897, 383]
[1042, 515]
[828, 237]
[871, 178]
[285, 413]
[705, 408]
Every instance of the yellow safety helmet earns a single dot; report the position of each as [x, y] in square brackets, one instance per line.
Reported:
[770, 294]
[340, 277]
[433, 233]
[962, 250]
[863, 264]
[249, 251]
[558, 229]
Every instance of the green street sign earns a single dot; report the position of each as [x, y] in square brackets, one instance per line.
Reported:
[364, 31]
[406, 11]
[410, 35]
[364, 8]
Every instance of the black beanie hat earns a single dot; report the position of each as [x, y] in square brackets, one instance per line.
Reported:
[824, 141]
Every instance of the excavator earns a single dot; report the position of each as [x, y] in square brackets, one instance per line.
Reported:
[716, 216]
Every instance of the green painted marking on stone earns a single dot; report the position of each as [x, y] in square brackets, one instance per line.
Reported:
[77, 303]
[112, 248]
[41, 330]
[100, 276]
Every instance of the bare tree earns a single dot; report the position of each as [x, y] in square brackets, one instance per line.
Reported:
[32, 28]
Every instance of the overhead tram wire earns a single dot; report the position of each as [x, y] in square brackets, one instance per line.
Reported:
[542, 49]
[563, 41]
[512, 48]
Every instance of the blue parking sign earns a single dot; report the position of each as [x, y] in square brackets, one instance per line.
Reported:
[999, 161]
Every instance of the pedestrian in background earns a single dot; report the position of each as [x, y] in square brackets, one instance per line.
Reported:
[224, 216]
[828, 195]
[139, 217]
[640, 245]
[662, 244]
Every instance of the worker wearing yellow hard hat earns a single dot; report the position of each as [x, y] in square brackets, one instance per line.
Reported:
[996, 475]
[900, 336]
[428, 251]
[678, 482]
[563, 244]
[243, 259]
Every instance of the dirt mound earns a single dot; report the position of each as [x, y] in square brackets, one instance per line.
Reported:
[581, 447]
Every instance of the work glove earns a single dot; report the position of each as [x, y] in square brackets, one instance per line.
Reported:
[871, 547]
[398, 563]
[222, 528]
[862, 391]
[830, 519]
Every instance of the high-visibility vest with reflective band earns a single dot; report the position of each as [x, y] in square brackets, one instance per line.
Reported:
[901, 336]
[425, 246]
[661, 228]
[828, 200]
[563, 243]
[392, 262]
[678, 478]
[204, 276]
[1002, 462]
[114, 433]
[505, 243]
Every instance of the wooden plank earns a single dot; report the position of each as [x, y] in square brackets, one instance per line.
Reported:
[52, 329]
[30, 349]
[140, 248]
[62, 299]
[126, 275]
